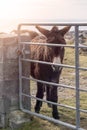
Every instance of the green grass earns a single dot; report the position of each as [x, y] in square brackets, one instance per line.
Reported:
[66, 115]
[66, 96]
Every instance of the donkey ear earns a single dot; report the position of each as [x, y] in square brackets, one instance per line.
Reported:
[64, 30]
[43, 30]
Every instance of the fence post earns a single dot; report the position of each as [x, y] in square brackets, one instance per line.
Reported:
[77, 77]
[9, 78]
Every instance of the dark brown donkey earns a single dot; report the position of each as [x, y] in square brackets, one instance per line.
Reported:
[49, 73]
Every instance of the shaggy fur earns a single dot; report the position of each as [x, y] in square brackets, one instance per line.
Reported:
[50, 73]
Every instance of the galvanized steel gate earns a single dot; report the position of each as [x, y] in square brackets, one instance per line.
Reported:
[24, 92]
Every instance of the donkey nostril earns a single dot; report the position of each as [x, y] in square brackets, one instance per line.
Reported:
[56, 68]
[53, 67]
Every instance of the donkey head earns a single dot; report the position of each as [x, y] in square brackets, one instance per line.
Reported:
[55, 36]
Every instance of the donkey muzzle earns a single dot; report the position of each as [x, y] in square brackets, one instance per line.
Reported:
[55, 67]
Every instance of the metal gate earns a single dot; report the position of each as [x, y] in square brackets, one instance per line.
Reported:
[25, 95]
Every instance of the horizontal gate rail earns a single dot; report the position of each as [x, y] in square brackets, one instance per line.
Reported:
[76, 67]
[52, 120]
[49, 63]
[48, 44]
[58, 104]
[52, 24]
[51, 83]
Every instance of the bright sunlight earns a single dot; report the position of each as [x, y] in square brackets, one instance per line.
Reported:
[43, 9]
[14, 11]
[11, 9]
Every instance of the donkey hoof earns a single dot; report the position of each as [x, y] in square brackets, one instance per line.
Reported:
[37, 110]
[56, 116]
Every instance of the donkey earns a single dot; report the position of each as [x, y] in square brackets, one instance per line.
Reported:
[45, 72]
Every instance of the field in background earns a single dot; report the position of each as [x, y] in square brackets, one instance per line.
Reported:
[66, 96]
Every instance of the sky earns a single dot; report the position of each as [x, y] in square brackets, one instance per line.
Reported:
[17, 11]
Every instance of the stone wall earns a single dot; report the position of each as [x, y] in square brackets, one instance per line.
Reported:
[9, 76]
[9, 69]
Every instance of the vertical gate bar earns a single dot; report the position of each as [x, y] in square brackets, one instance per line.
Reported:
[77, 126]
[77, 77]
[20, 69]
[29, 76]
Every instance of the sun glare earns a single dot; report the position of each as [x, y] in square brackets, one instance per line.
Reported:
[8, 13]
[40, 10]
[11, 9]
[14, 11]
[18, 8]
[33, 9]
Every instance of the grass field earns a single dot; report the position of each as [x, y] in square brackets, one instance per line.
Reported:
[66, 96]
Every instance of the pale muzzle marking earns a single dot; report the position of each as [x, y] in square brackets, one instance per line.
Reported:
[56, 60]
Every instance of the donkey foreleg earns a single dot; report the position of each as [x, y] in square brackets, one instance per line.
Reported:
[39, 94]
[54, 98]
